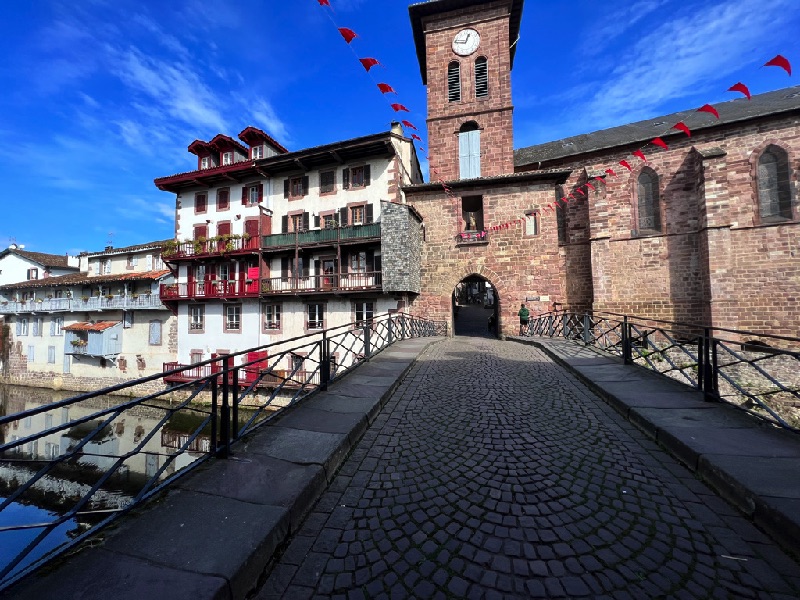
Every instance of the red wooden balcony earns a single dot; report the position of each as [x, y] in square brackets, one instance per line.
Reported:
[199, 290]
[213, 247]
[344, 282]
[247, 375]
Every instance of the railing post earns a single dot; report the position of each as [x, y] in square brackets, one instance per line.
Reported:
[709, 373]
[550, 328]
[325, 362]
[565, 325]
[702, 360]
[235, 404]
[391, 331]
[367, 348]
[214, 416]
[225, 417]
[626, 342]
[587, 329]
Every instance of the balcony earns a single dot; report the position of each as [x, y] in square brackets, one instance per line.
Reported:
[345, 282]
[83, 304]
[322, 237]
[212, 247]
[472, 238]
[210, 290]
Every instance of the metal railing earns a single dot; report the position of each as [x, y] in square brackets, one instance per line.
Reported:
[370, 280]
[325, 236]
[757, 372]
[86, 303]
[104, 480]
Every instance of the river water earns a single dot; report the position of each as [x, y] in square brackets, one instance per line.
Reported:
[61, 490]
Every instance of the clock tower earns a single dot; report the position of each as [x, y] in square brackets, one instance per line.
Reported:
[466, 50]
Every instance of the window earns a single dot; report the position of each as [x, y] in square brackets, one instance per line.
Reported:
[472, 213]
[254, 197]
[357, 177]
[233, 317]
[223, 199]
[316, 316]
[252, 194]
[272, 317]
[154, 336]
[481, 78]
[357, 215]
[648, 214]
[51, 359]
[127, 319]
[31, 354]
[131, 262]
[363, 312]
[107, 266]
[774, 191]
[200, 203]
[197, 318]
[454, 82]
[469, 150]
[205, 162]
[224, 271]
[257, 152]
[227, 158]
[295, 187]
[327, 182]
[195, 356]
[56, 325]
[358, 262]
[532, 222]
[22, 326]
[328, 221]
[33, 274]
[38, 326]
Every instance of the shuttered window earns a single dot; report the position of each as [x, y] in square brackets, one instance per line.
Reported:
[649, 215]
[154, 336]
[454, 82]
[774, 192]
[481, 78]
[469, 151]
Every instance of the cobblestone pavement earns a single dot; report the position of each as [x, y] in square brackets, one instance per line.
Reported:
[492, 473]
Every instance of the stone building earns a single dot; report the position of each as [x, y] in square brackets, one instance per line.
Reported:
[705, 231]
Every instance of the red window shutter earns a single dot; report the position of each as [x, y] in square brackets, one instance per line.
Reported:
[285, 188]
[260, 192]
[346, 179]
[251, 228]
[366, 175]
[305, 185]
[244, 195]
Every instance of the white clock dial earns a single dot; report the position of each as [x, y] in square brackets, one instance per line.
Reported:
[466, 42]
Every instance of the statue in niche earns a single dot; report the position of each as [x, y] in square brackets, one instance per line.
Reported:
[473, 224]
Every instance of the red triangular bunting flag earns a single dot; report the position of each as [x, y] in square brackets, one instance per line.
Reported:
[681, 126]
[640, 154]
[740, 87]
[416, 137]
[368, 62]
[324, 2]
[611, 172]
[780, 61]
[580, 191]
[347, 34]
[709, 109]
[589, 185]
[625, 164]
[600, 179]
[659, 142]
[385, 88]
[409, 125]
[399, 107]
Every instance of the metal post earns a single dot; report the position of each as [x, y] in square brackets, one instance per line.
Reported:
[550, 329]
[325, 362]
[565, 325]
[214, 406]
[391, 331]
[367, 348]
[702, 361]
[235, 405]
[626, 342]
[225, 417]
[587, 329]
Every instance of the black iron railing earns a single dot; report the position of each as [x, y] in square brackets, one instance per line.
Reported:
[79, 463]
[757, 372]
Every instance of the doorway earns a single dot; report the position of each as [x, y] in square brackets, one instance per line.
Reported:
[475, 308]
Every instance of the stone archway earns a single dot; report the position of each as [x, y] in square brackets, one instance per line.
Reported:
[476, 307]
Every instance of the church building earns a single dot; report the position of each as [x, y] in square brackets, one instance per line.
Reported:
[703, 231]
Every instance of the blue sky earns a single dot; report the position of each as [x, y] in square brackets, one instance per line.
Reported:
[100, 97]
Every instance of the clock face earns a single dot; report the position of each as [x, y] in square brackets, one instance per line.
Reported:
[466, 42]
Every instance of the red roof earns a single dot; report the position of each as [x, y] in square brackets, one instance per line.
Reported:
[89, 326]
[224, 142]
[254, 133]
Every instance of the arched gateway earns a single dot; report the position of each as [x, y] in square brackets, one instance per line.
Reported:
[476, 307]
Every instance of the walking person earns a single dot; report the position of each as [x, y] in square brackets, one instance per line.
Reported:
[524, 315]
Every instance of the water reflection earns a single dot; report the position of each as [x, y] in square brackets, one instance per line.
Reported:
[85, 465]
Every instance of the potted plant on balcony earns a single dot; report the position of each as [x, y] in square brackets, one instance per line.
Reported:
[79, 343]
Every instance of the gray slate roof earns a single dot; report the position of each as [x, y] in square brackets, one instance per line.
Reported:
[733, 111]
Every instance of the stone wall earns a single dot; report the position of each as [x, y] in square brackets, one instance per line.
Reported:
[401, 248]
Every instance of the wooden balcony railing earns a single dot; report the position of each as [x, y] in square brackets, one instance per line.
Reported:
[245, 288]
[323, 283]
[87, 303]
[212, 247]
[320, 237]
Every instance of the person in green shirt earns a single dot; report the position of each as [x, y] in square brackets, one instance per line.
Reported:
[524, 315]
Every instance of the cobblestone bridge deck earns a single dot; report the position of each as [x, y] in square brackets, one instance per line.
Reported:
[489, 472]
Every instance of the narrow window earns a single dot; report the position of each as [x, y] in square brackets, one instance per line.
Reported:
[257, 152]
[316, 316]
[454, 82]
[649, 217]
[272, 317]
[481, 78]
[233, 317]
[469, 150]
[774, 191]
[327, 181]
[196, 318]
[472, 213]
[200, 203]
[223, 199]
[154, 336]
[227, 158]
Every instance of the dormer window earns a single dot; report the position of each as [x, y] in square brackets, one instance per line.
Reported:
[227, 158]
[205, 162]
[257, 152]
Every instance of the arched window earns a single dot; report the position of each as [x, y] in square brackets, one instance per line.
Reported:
[454, 81]
[481, 77]
[648, 213]
[774, 192]
[469, 150]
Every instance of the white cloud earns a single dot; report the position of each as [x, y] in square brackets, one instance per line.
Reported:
[265, 117]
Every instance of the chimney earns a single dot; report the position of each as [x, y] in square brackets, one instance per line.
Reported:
[397, 128]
